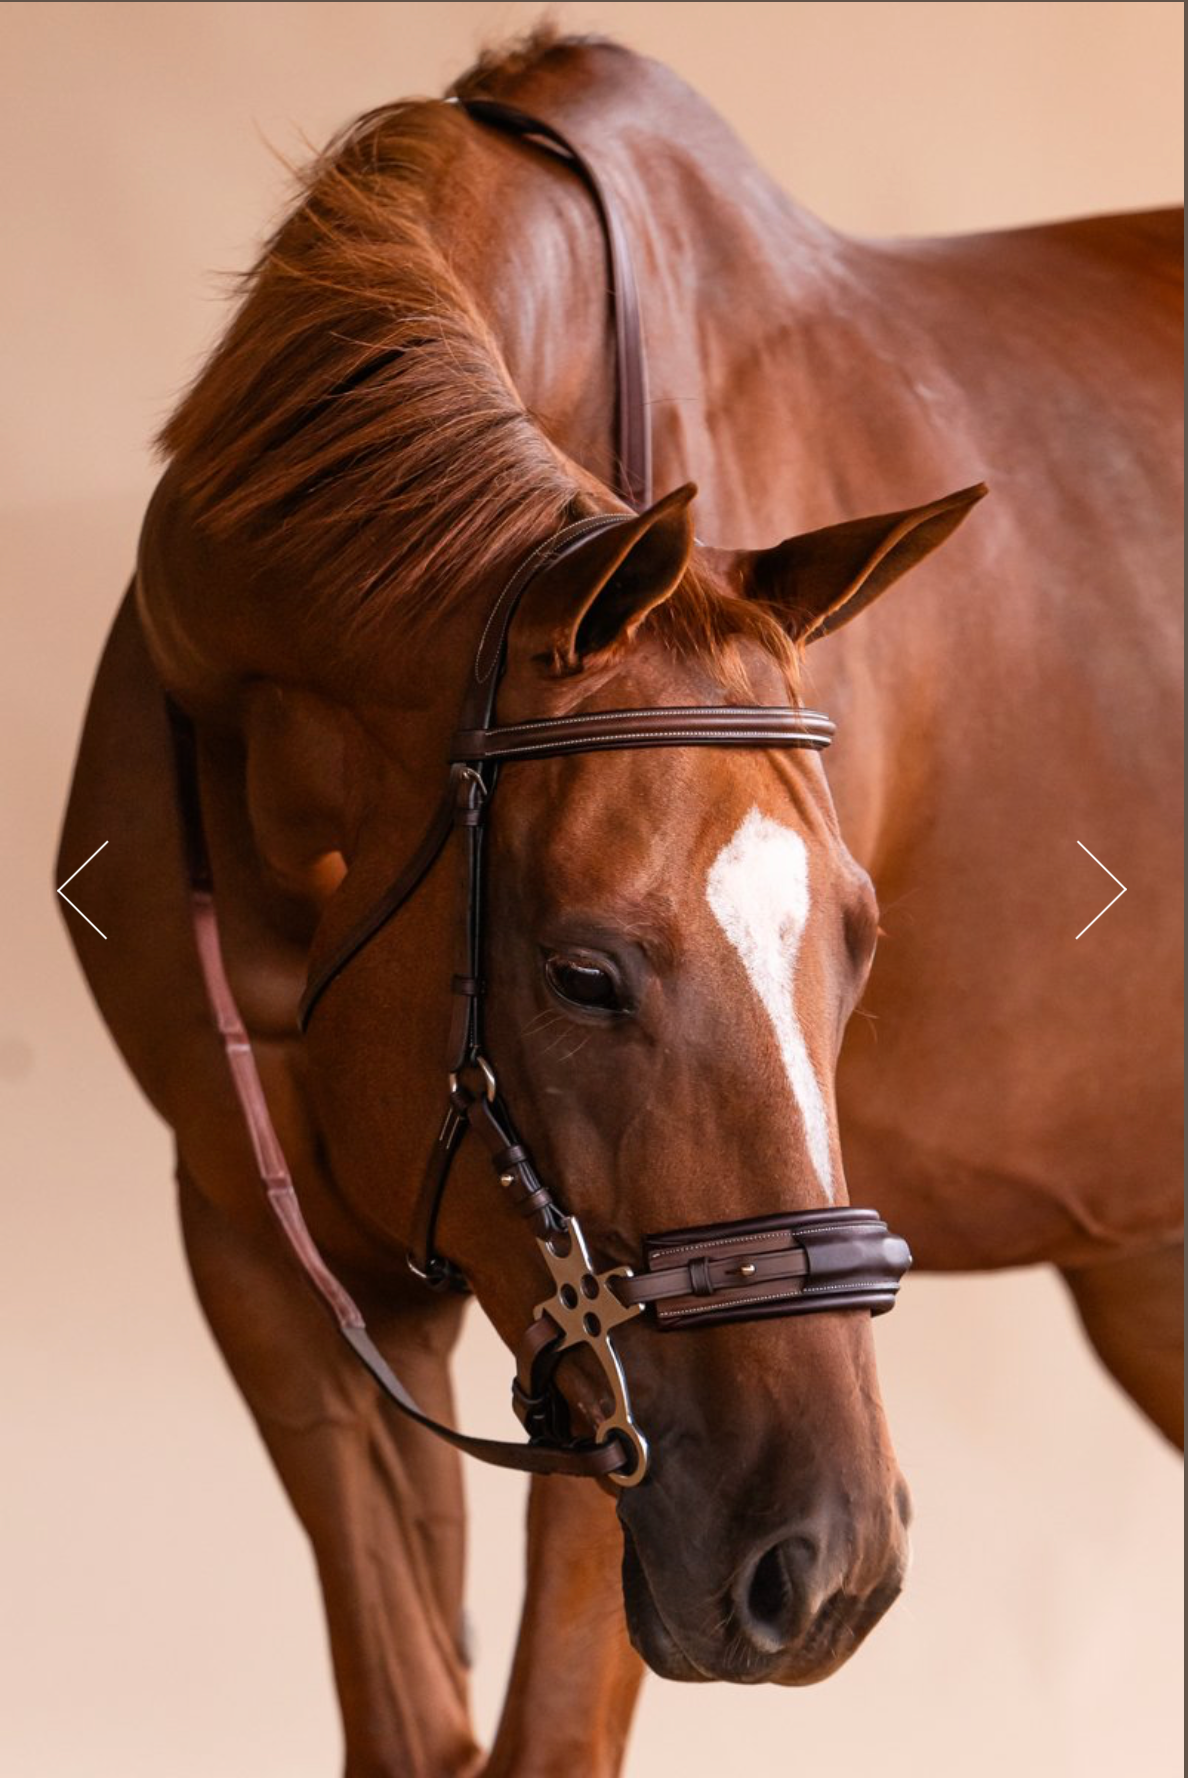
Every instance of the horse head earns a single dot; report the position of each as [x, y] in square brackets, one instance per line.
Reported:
[676, 938]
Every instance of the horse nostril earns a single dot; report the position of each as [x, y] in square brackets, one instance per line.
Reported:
[772, 1599]
[768, 1596]
[903, 1503]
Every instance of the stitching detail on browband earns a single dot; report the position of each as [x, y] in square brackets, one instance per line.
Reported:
[808, 717]
[537, 558]
[736, 1302]
[774, 737]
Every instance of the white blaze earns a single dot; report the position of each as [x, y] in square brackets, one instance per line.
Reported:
[758, 891]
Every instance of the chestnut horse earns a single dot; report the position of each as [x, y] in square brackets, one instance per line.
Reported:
[416, 390]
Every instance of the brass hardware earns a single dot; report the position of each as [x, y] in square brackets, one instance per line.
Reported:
[506, 1179]
[747, 1271]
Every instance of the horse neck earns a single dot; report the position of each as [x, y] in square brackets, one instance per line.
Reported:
[762, 325]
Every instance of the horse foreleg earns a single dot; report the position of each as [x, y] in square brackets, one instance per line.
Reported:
[380, 1502]
[1132, 1310]
[575, 1677]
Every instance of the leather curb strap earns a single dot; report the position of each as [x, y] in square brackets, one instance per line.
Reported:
[797, 1263]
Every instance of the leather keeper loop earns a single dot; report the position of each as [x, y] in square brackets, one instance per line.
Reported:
[528, 1407]
[528, 1202]
[514, 1155]
[699, 1277]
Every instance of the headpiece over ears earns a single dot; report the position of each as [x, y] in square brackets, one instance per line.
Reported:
[599, 592]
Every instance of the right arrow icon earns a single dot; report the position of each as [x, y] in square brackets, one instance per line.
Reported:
[1113, 879]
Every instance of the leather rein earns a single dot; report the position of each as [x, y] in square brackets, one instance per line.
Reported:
[795, 1263]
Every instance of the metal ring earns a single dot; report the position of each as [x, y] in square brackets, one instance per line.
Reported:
[490, 1083]
[627, 1433]
[488, 1073]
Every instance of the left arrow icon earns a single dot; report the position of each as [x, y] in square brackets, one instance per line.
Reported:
[70, 904]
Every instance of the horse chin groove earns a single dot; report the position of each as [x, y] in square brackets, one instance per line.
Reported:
[649, 1635]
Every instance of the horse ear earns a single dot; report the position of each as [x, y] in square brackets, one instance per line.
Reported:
[822, 579]
[599, 592]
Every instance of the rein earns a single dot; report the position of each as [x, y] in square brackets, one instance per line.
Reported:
[785, 1264]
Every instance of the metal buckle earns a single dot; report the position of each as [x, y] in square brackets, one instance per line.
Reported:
[475, 783]
[587, 1311]
[472, 776]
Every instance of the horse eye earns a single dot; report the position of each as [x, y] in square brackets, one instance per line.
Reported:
[583, 983]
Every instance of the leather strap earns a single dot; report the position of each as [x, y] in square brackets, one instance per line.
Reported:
[761, 725]
[595, 731]
[575, 1460]
[550, 1459]
[794, 1264]
[478, 707]
[633, 481]
[633, 434]
[479, 703]
[481, 1111]
[407, 881]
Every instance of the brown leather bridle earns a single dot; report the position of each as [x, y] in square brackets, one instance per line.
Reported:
[794, 1263]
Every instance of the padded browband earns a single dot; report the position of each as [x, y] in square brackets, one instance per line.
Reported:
[759, 725]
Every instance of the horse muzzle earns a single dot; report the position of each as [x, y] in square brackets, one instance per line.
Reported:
[801, 1263]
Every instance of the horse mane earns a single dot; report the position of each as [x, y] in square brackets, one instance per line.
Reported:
[357, 427]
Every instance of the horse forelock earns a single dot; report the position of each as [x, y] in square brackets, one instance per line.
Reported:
[357, 429]
[703, 622]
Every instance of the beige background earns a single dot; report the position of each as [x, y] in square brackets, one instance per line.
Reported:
[161, 1615]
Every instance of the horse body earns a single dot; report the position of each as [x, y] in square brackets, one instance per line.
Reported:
[1021, 695]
